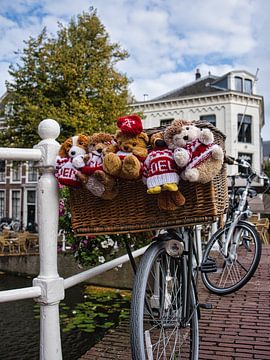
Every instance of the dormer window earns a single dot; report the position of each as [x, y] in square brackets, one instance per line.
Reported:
[238, 84]
[243, 85]
[248, 86]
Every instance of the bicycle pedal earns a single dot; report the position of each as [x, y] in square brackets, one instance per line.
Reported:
[206, 306]
[208, 266]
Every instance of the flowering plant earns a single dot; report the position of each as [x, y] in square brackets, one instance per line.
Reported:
[95, 250]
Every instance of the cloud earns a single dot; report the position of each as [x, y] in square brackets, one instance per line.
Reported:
[167, 40]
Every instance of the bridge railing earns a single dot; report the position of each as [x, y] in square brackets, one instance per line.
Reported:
[48, 287]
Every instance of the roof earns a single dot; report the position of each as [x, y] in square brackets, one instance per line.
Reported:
[200, 86]
[204, 85]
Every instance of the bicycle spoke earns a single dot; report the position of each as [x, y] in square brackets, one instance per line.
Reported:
[241, 261]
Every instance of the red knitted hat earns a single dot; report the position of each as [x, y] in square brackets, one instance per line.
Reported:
[130, 124]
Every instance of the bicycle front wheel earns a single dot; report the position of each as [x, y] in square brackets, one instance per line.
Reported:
[235, 270]
[160, 326]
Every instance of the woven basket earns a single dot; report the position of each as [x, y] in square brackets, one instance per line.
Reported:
[133, 210]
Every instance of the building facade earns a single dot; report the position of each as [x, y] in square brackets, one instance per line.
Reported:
[229, 102]
[18, 182]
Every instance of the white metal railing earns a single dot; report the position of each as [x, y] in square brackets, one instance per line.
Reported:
[49, 288]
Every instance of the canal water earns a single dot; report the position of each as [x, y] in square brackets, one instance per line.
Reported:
[19, 322]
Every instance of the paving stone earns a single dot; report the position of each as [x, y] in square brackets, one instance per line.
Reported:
[237, 327]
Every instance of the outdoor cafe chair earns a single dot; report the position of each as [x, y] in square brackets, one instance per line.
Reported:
[19, 243]
[5, 243]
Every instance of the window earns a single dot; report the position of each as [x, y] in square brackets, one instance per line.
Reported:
[2, 204]
[31, 197]
[166, 122]
[16, 204]
[32, 172]
[248, 158]
[244, 128]
[31, 210]
[248, 86]
[209, 118]
[238, 84]
[2, 171]
[16, 171]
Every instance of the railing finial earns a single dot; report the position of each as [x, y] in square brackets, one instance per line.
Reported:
[48, 129]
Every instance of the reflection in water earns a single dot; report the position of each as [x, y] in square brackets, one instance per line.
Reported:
[85, 316]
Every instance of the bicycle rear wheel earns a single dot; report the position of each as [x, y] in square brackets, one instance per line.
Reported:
[160, 329]
[236, 270]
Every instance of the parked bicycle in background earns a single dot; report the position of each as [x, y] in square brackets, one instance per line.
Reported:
[9, 223]
[235, 249]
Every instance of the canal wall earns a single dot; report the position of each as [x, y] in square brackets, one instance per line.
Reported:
[29, 265]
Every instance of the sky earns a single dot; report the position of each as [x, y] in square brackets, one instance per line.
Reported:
[167, 40]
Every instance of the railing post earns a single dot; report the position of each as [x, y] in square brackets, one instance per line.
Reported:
[52, 286]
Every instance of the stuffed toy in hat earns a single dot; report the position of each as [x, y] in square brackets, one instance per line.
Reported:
[99, 183]
[126, 158]
[195, 152]
[66, 172]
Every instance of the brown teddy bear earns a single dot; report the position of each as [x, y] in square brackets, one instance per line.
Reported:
[126, 158]
[99, 183]
[194, 151]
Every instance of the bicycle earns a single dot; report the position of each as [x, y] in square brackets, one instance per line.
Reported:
[235, 249]
[164, 307]
[9, 223]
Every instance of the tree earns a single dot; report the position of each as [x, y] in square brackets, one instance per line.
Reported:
[71, 78]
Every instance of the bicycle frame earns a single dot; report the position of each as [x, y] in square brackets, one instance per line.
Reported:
[184, 237]
[237, 213]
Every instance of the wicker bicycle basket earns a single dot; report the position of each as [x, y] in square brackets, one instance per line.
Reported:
[133, 210]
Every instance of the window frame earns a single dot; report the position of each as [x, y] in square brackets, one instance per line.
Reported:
[2, 191]
[12, 168]
[31, 170]
[4, 173]
[12, 203]
[210, 121]
[242, 120]
[245, 87]
[167, 122]
[236, 84]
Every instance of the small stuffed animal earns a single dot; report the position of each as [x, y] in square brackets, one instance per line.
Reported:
[126, 158]
[160, 170]
[99, 183]
[195, 152]
[160, 174]
[66, 172]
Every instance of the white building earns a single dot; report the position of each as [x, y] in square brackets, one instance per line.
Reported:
[229, 102]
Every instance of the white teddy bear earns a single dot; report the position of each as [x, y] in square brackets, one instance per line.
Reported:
[195, 152]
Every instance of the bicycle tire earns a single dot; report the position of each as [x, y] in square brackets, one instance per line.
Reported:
[150, 321]
[232, 275]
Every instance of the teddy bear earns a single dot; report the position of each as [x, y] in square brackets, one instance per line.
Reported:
[99, 183]
[128, 154]
[159, 169]
[160, 174]
[195, 152]
[66, 172]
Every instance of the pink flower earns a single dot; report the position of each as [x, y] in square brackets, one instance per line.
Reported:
[61, 207]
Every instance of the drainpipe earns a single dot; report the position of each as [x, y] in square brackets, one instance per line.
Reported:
[52, 286]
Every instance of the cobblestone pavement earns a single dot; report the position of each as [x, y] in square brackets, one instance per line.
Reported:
[237, 327]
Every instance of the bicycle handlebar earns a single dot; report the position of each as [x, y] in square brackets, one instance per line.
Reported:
[232, 161]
